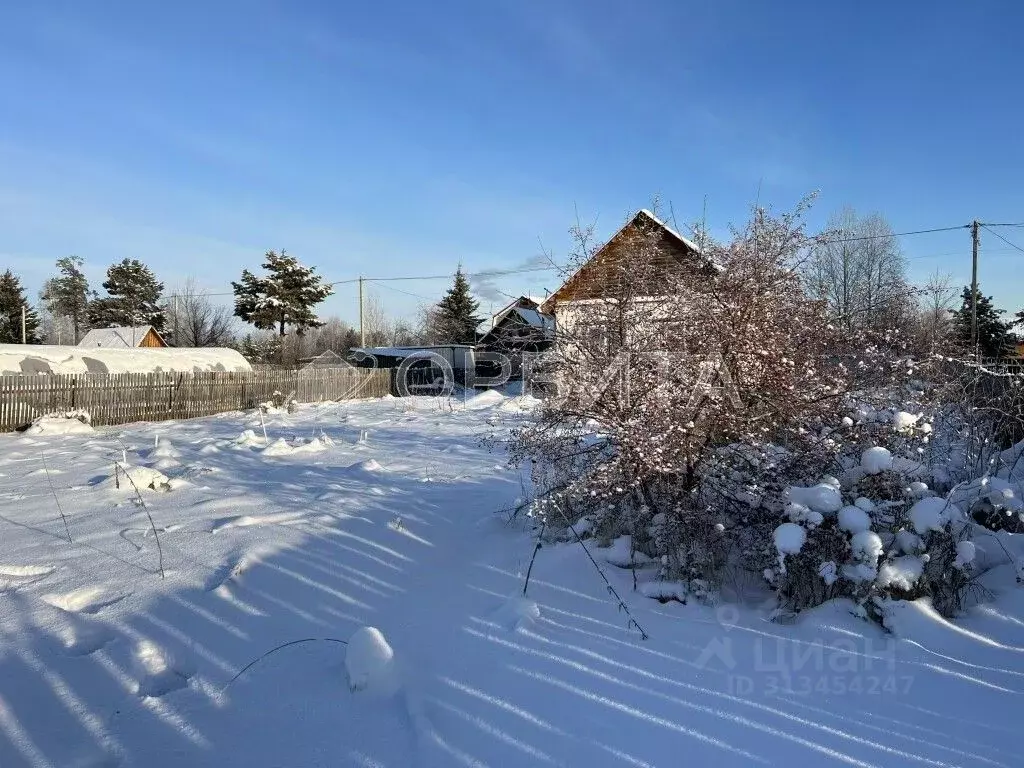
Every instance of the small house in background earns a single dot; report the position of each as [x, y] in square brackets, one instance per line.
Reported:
[328, 360]
[123, 337]
[517, 330]
[423, 370]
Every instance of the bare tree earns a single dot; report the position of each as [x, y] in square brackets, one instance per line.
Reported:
[376, 326]
[938, 296]
[331, 336]
[195, 321]
[858, 270]
[674, 376]
[54, 328]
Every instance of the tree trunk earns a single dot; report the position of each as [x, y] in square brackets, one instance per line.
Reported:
[281, 333]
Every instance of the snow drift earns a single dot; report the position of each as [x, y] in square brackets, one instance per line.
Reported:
[41, 358]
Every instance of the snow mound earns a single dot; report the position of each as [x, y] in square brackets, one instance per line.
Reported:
[83, 600]
[26, 571]
[790, 538]
[279, 447]
[520, 404]
[876, 460]
[282, 447]
[619, 553]
[902, 421]
[158, 671]
[370, 663]
[64, 424]
[370, 465]
[908, 542]
[486, 399]
[126, 478]
[248, 521]
[517, 613]
[930, 514]
[918, 489]
[798, 513]
[902, 572]
[867, 547]
[965, 552]
[165, 450]
[854, 519]
[824, 497]
[249, 437]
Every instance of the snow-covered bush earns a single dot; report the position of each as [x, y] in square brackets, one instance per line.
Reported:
[691, 398]
[61, 423]
[279, 403]
[725, 427]
[900, 545]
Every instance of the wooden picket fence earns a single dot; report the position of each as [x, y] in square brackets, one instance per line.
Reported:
[124, 397]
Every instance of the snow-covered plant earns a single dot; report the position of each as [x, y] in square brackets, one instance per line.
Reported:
[133, 298]
[891, 538]
[285, 296]
[692, 382]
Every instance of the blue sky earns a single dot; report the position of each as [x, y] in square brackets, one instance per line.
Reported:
[402, 138]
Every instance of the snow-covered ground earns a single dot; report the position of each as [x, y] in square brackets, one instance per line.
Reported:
[385, 513]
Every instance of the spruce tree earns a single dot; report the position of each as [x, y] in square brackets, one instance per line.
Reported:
[133, 298]
[68, 295]
[285, 295]
[994, 336]
[260, 348]
[456, 316]
[12, 302]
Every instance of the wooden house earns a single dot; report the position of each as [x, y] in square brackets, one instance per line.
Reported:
[636, 260]
[518, 330]
[123, 337]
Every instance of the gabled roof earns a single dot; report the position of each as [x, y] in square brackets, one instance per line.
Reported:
[122, 337]
[326, 359]
[526, 309]
[525, 306]
[681, 247]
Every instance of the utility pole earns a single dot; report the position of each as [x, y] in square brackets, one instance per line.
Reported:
[177, 339]
[362, 329]
[974, 286]
[24, 333]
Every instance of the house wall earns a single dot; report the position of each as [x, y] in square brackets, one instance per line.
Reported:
[151, 340]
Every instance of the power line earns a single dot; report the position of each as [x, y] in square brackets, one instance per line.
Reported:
[485, 273]
[399, 290]
[1018, 224]
[895, 234]
[989, 228]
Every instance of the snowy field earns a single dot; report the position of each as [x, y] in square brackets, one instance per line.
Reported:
[387, 513]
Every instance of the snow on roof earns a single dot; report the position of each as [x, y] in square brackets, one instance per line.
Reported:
[401, 352]
[326, 359]
[643, 212]
[684, 240]
[121, 337]
[45, 358]
[533, 317]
